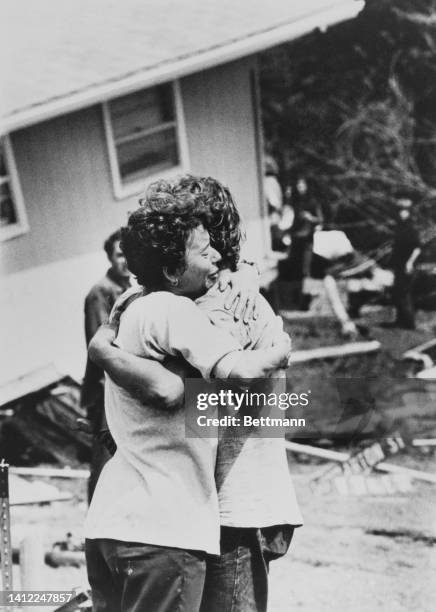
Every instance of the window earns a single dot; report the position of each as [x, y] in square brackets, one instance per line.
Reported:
[144, 136]
[13, 219]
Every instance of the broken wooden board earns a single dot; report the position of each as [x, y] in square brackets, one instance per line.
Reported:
[48, 472]
[425, 354]
[43, 428]
[31, 382]
[427, 348]
[427, 374]
[360, 463]
[22, 492]
[61, 407]
[28, 438]
[333, 352]
[303, 315]
[340, 457]
[423, 442]
[369, 484]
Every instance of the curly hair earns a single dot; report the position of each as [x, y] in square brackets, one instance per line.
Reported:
[216, 208]
[156, 236]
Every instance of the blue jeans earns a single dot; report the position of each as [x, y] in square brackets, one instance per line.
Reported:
[237, 580]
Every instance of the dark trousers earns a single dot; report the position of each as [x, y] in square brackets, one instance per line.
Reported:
[134, 577]
[402, 294]
[237, 580]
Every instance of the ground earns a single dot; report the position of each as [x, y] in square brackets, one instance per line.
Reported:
[335, 564]
[354, 553]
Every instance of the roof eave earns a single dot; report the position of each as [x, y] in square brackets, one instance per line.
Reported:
[181, 67]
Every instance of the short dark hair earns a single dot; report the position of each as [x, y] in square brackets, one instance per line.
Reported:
[156, 236]
[110, 242]
[217, 209]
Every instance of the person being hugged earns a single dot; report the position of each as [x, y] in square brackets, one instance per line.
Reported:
[154, 515]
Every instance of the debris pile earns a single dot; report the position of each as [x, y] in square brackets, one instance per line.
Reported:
[38, 421]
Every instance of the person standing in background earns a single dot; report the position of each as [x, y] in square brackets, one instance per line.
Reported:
[308, 215]
[406, 250]
[98, 305]
[280, 212]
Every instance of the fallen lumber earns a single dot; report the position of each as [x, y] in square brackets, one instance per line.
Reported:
[414, 474]
[43, 428]
[424, 442]
[331, 352]
[411, 534]
[29, 438]
[303, 315]
[80, 602]
[427, 347]
[426, 355]
[49, 472]
[340, 457]
[31, 382]
[427, 374]
[422, 358]
[24, 493]
[370, 484]
[315, 451]
[60, 408]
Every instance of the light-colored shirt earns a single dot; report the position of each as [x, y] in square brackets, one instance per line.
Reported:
[159, 487]
[254, 484]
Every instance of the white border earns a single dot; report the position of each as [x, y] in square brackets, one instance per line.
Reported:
[21, 226]
[134, 188]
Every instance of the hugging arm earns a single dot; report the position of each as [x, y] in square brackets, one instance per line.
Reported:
[145, 379]
[260, 363]
[187, 333]
[215, 353]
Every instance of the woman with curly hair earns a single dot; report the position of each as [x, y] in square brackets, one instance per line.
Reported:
[257, 503]
[154, 515]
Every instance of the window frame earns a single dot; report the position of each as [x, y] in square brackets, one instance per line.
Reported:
[21, 226]
[122, 191]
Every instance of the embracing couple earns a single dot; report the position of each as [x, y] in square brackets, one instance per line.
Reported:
[178, 523]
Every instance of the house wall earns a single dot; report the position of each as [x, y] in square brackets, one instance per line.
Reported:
[221, 109]
[65, 177]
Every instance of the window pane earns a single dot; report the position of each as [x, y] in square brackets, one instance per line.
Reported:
[8, 214]
[147, 155]
[142, 110]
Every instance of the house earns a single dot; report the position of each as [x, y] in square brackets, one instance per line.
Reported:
[98, 98]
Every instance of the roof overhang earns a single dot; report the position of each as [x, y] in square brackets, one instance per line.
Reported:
[182, 67]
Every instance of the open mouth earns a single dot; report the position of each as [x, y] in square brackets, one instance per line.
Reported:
[213, 277]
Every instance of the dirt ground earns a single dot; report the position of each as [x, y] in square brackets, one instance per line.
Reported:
[337, 563]
[354, 553]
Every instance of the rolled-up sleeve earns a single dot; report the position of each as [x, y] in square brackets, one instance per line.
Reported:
[191, 334]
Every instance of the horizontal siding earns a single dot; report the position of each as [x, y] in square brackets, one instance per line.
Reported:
[65, 177]
[221, 129]
[67, 188]
[64, 174]
[43, 307]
